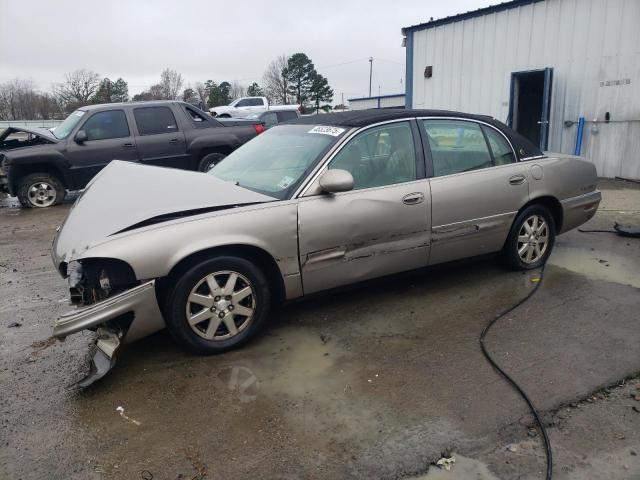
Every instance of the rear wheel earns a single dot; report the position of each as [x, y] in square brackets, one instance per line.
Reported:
[218, 305]
[531, 239]
[209, 161]
[40, 190]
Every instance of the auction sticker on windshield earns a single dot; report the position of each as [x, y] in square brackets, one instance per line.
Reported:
[333, 131]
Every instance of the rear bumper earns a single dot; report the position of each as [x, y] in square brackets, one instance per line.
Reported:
[140, 300]
[580, 209]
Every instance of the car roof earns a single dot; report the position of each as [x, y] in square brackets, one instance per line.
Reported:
[362, 118]
[147, 103]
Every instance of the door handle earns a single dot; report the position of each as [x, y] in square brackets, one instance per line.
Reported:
[413, 198]
[174, 140]
[517, 180]
[128, 145]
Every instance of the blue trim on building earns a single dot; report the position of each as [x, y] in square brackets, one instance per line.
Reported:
[408, 79]
[467, 15]
[377, 96]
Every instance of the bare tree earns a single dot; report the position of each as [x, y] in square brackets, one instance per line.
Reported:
[275, 81]
[19, 100]
[171, 82]
[78, 87]
[202, 91]
[237, 90]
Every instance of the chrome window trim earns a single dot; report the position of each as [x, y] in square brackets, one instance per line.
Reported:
[536, 157]
[483, 123]
[321, 166]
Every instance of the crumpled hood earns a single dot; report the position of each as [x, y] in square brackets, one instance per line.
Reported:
[125, 195]
[42, 132]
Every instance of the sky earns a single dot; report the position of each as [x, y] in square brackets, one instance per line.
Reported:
[227, 40]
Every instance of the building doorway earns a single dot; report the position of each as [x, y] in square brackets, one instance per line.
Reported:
[530, 103]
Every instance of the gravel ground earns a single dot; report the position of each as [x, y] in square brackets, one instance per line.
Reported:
[377, 381]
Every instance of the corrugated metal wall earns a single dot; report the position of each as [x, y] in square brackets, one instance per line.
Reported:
[591, 45]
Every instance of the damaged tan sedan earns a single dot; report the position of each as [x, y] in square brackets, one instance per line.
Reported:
[319, 203]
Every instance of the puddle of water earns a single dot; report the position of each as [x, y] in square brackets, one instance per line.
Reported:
[463, 469]
[606, 266]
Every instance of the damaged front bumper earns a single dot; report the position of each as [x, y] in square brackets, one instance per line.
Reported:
[102, 316]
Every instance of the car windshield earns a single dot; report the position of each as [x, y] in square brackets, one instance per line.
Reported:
[275, 162]
[64, 129]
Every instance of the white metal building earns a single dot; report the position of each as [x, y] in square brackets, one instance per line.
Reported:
[539, 65]
[381, 101]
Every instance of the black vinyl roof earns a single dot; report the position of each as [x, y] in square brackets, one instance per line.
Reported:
[362, 118]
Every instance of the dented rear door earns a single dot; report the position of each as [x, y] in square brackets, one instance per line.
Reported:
[382, 226]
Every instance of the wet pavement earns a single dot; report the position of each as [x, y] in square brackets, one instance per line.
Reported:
[377, 381]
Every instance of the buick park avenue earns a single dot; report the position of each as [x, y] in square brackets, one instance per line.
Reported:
[322, 202]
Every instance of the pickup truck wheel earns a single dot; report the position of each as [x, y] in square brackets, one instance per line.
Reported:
[530, 240]
[210, 161]
[218, 305]
[40, 190]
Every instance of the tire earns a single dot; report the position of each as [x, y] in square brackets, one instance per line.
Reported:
[200, 336]
[40, 190]
[209, 161]
[524, 248]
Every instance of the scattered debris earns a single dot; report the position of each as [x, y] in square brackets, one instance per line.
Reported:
[197, 464]
[146, 475]
[446, 463]
[532, 432]
[14, 325]
[635, 409]
[512, 447]
[120, 410]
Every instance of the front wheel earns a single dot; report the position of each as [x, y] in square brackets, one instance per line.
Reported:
[40, 190]
[218, 305]
[531, 239]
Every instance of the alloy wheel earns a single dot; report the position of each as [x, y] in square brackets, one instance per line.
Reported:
[42, 194]
[533, 239]
[221, 305]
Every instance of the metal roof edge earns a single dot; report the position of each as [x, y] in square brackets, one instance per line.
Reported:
[471, 14]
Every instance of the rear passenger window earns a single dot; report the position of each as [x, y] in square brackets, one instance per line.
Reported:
[456, 146]
[500, 148]
[155, 120]
[105, 125]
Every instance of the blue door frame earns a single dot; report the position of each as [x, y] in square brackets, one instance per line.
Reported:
[546, 103]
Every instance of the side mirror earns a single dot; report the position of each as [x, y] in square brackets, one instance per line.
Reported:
[334, 181]
[81, 136]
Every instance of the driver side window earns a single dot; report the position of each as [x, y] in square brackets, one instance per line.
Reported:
[379, 156]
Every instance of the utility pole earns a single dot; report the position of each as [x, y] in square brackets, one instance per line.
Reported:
[370, 74]
[342, 102]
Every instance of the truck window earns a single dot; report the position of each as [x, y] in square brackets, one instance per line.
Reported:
[155, 120]
[195, 116]
[285, 115]
[245, 102]
[255, 102]
[105, 125]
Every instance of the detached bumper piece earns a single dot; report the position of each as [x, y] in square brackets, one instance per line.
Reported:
[138, 303]
[103, 359]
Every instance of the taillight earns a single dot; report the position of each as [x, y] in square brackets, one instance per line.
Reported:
[299, 108]
[259, 128]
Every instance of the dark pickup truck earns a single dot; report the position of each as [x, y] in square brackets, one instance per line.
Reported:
[39, 166]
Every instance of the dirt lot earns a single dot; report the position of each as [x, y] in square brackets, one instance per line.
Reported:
[375, 382]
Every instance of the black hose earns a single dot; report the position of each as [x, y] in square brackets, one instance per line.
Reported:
[543, 430]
